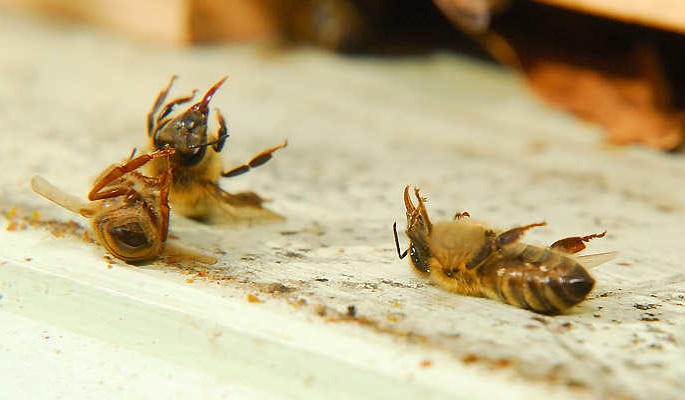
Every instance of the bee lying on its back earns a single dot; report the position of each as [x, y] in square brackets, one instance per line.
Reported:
[129, 211]
[472, 259]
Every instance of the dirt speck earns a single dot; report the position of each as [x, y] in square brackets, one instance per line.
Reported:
[274, 287]
[351, 311]
[643, 307]
[394, 317]
[320, 310]
[293, 254]
[297, 302]
[470, 358]
[252, 298]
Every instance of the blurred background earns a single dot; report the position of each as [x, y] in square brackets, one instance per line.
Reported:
[613, 63]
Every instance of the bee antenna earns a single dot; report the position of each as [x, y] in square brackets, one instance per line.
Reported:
[400, 254]
[210, 143]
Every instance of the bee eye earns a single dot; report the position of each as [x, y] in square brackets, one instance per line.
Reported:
[419, 259]
[186, 123]
[130, 235]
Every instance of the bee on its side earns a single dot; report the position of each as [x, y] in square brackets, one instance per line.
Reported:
[195, 192]
[473, 259]
[129, 211]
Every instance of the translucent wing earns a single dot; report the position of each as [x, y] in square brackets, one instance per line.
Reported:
[56, 195]
[594, 260]
[238, 207]
[174, 252]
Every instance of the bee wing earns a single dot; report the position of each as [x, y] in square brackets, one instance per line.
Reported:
[56, 195]
[174, 252]
[594, 260]
[239, 207]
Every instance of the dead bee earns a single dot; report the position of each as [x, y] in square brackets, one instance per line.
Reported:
[472, 259]
[129, 211]
[195, 192]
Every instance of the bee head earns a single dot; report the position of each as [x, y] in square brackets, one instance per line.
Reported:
[187, 132]
[418, 230]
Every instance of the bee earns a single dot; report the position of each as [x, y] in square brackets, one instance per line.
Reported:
[195, 192]
[129, 211]
[475, 260]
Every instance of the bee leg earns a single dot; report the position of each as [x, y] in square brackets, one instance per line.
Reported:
[121, 170]
[400, 254]
[158, 103]
[169, 107]
[495, 242]
[256, 161]
[222, 134]
[164, 186]
[408, 203]
[575, 244]
[422, 210]
[460, 215]
[514, 234]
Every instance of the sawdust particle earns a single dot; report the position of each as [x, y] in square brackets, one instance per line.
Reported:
[252, 298]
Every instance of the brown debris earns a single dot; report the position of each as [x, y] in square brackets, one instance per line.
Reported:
[18, 220]
[608, 73]
[631, 106]
[253, 298]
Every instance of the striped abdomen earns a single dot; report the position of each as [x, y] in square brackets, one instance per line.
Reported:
[535, 278]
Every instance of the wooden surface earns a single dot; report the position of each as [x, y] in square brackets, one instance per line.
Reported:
[663, 14]
[191, 21]
[359, 129]
[155, 20]
[170, 21]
